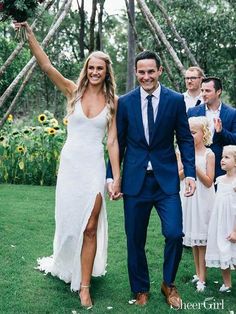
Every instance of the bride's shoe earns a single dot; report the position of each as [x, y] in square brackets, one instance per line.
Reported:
[85, 301]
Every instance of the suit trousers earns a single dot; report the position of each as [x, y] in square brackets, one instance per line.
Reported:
[137, 210]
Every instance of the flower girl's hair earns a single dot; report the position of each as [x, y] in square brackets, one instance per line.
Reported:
[231, 149]
[203, 123]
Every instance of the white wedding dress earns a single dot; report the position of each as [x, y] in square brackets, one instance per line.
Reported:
[81, 177]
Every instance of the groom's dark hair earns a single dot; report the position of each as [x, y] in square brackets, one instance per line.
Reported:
[147, 55]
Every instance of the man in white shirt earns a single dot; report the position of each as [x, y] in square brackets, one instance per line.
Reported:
[147, 120]
[193, 79]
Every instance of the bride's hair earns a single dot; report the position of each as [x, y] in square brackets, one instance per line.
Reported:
[109, 85]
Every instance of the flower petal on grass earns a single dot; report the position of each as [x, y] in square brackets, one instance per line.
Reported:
[110, 307]
[73, 312]
[13, 245]
[208, 299]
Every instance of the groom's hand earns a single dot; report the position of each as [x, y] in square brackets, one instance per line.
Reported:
[113, 190]
[190, 187]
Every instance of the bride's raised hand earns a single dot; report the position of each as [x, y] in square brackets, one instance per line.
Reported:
[22, 25]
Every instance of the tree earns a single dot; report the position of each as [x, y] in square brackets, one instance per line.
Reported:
[99, 44]
[161, 35]
[130, 81]
[92, 26]
[31, 63]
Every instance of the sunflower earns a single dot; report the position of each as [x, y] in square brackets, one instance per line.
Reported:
[65, 121]
[42, 118]
[10, 118]
[20, 149]
[51, 131]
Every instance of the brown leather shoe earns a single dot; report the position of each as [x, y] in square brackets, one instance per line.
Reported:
[141, 298]
[172, 295]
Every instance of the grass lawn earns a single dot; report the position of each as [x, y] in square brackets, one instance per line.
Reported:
[26, 233]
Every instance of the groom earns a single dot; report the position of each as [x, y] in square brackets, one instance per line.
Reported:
[147, 120]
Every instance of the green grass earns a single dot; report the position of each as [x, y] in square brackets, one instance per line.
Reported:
[26, 233]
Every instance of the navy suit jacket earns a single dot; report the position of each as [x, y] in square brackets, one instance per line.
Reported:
[226, 137]
[135, 152]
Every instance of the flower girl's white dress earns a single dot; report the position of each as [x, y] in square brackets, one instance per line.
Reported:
[221, 252]
[197, 208]
[81, 176]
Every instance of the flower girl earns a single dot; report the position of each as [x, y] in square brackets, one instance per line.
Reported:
[221, 242]
[196, 209]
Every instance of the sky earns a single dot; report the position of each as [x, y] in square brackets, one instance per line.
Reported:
[111, 6]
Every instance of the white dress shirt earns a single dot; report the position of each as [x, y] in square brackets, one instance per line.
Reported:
[191, 101]
[144, 104]
[211, 115]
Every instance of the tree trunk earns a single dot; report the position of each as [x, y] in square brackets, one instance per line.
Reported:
[160, 49]
[81, 29]
[100, 26]
[139, 45]
[32, 61]
[14, 102]
[162, 36]
[177, 35]
[92, 26]
[130, 81]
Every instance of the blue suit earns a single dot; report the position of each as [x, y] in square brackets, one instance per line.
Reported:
[160, 189]
[226, 137]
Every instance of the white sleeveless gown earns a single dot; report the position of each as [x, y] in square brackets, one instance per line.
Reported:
[197, 208]
[81, 176]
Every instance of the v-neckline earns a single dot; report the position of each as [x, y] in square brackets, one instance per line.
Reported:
[100, 112]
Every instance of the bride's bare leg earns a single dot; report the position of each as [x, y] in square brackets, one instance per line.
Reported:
[88, 252]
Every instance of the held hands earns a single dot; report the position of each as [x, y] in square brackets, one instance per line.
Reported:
[113, 189]
[190, 187]
[217, 124]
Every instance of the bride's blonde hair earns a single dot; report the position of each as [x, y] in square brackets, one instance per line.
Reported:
[109, 85]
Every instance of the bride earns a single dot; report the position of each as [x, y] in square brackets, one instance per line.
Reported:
[80, 241]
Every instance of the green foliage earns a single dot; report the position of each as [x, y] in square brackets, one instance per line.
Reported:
[209, 29]
[115, 43]
[7, 46]
[19, 10]
[30, 154]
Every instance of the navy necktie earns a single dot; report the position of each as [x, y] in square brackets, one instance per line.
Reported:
[198, 102]
[150, 117]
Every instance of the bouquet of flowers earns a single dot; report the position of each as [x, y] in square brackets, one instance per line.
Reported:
[18, 10]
